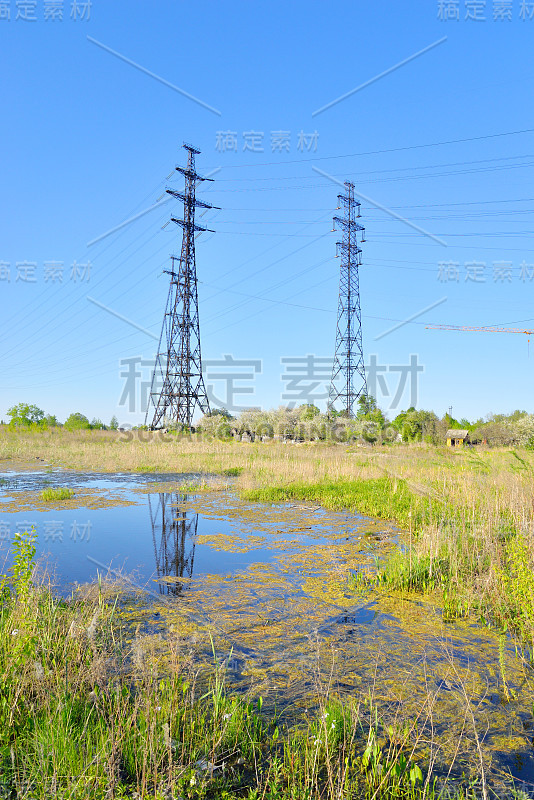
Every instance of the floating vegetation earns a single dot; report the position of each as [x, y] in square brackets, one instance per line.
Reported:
[64, 497]
[51, 494]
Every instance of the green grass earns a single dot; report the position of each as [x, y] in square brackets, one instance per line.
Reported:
[385, 498]
[473, 554]
[49, 495]
[232, 472]
[79, 719]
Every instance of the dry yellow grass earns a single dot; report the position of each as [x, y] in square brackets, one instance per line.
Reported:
[464, 478]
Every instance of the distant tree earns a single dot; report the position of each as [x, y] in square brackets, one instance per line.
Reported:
[368, 410]
[417, 426]
[465, 424]
[51, 421]
[97, 424]
[450, 422]
[506, 418]
[114, 423]
[496, 434]
[77, 422]
[216, 426]
[24, 414]
[525, 431]
[366, 404]
[308, 411]
[332, 413]
[355, 428]
[220, 412]
[371, 431]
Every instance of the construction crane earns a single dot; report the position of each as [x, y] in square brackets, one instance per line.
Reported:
[489, 329]
[474, 328]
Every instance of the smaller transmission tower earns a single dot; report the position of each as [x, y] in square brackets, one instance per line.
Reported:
[178, 368]
[348, 371]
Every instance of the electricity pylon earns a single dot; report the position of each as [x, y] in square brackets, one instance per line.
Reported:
[348, 371]
[178, 368]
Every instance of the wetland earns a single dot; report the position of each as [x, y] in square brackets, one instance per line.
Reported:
[310, 669]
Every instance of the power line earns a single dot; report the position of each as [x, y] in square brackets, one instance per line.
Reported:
[388, 150]
[384, 171]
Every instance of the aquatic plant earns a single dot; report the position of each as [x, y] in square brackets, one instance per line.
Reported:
[50, 495]
[232, 472]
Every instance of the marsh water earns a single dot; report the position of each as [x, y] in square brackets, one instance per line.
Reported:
[267, 591]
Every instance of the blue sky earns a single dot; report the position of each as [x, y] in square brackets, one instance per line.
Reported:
[88, 140]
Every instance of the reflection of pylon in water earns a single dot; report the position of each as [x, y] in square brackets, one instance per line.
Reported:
[174, 535]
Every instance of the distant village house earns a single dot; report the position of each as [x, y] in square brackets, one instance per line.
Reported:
[457, 437]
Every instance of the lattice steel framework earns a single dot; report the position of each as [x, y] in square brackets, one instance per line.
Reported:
[174, 534]
[178, 368]
[348, 372]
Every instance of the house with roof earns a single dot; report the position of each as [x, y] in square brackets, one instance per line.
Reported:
[457, 437]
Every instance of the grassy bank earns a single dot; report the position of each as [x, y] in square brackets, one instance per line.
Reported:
[84, 712]
[476, 549]
[385, 498]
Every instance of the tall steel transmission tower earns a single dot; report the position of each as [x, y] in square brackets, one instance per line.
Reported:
[178, 368]
[348, 371]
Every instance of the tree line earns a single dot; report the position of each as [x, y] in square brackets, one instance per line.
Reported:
[307, 423]
[370, 424]
[24, 415]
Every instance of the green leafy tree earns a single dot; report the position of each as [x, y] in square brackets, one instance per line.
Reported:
[77, 422]
[332, 412]
[24, 414]
[417, 426]
[366, 404]
[114, 424]
[51, 421]
[308, 411]
[220, 412]
[368, 410]
[216, 426]
[450, 422]
[97, 424]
